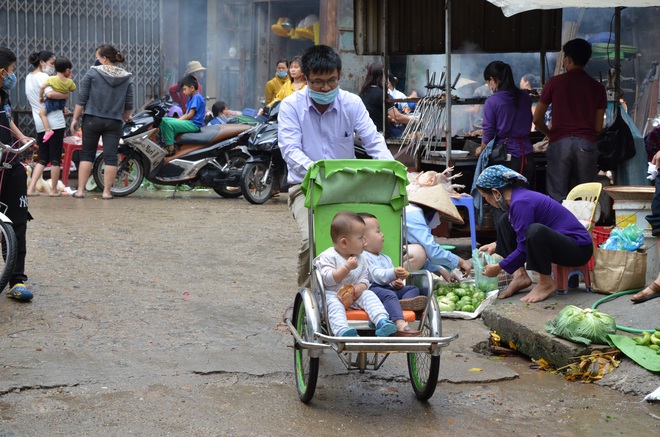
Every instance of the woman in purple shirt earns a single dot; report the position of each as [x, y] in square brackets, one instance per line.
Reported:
[508, 118]
[536, 229]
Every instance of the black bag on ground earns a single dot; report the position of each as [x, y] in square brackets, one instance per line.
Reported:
[615, 145]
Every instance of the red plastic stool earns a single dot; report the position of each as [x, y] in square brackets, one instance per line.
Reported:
[69, 145]
[563, 273]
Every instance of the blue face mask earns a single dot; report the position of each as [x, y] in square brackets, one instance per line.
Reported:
[281, 74]
[324, 98]
[9, 82]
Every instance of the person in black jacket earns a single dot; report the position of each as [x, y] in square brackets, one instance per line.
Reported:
[13, 178]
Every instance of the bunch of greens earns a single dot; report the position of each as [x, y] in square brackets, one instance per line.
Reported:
[582, 326]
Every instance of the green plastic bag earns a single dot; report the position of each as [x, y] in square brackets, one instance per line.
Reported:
[479, 261]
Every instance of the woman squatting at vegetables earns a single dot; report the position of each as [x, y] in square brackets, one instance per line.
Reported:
[536, 229]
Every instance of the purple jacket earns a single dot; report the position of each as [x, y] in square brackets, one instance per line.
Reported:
[501, 121]
[529, 207]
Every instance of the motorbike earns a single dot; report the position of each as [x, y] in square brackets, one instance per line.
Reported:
[212, 157]
[265, 170]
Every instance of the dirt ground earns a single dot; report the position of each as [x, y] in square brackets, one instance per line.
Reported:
[160, 316]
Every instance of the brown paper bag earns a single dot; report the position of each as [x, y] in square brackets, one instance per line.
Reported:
[618, 270]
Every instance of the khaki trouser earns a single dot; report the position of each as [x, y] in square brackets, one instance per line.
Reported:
[301, 214]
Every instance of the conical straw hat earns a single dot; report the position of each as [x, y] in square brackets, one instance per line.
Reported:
[436, 197]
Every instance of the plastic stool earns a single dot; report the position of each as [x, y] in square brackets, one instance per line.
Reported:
[562, 274]
[69, 145]
[468, 202]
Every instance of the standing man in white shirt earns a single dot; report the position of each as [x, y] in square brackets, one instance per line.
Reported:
[319, 122]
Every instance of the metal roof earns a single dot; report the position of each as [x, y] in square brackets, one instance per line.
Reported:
[418, 27]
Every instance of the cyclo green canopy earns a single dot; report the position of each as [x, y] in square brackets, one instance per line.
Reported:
[356, 181]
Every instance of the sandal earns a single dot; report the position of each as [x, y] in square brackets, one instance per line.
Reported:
[655, 288]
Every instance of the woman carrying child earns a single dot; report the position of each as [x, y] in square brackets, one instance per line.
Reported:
[344, 264]
[44, 66]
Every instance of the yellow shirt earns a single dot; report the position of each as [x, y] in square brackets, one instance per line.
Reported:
[61, 87]
[273, 86]
[285, 91]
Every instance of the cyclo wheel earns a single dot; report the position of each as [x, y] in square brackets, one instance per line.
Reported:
[9, 253]
[130, 173]
[423, 368]
[307, 368]
[254, 189]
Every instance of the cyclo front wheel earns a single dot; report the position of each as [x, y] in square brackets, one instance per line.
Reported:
[307, 368]
[9, 253]
[423, 368]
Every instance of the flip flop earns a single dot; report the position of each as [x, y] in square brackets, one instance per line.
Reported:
[655, 288]
[75, 196]
[56, 195]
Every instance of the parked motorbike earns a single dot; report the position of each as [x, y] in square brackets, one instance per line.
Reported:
[212, 157]
[265, 171]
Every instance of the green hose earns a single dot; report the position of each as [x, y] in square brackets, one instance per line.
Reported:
[614, 296]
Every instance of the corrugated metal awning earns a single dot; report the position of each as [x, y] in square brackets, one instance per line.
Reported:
[418, 27]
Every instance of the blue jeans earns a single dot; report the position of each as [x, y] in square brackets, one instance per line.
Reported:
[390, 298]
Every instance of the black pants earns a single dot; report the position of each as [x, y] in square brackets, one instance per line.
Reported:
[94, 128]
[526, 166]
[13, 193]
[544, 247]
[51, 150]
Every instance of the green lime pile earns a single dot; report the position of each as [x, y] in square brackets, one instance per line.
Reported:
[458, 297]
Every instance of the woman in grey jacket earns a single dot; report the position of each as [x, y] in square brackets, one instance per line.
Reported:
[106, 99]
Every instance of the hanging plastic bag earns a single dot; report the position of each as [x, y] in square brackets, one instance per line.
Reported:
[629, 238]
[479, 261]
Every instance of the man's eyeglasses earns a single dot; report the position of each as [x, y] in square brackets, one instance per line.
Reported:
[317, 83]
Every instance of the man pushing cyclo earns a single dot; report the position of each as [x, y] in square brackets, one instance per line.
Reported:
[316, 123]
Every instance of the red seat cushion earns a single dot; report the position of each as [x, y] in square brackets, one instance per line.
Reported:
[409, 316]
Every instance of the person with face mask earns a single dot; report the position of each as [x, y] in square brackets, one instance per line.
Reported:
[320, 122]
[536, 230]
[13, 187]
[44, 67]
[427, 206]
[274, 85]
[196, 69]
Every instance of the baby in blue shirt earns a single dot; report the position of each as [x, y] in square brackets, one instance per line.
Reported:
[387, 280]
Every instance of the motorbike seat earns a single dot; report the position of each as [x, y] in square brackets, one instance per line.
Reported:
[212, 134]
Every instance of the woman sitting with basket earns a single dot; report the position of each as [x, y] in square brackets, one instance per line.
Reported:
[536, 229]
